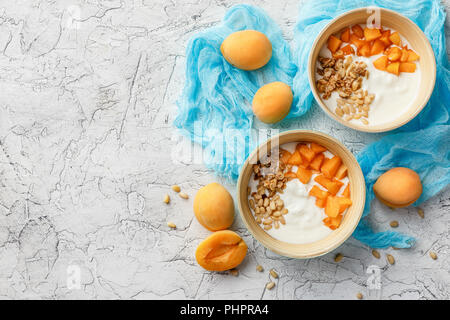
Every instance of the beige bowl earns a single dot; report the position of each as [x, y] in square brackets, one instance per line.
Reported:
[407, 30]
[350, 220]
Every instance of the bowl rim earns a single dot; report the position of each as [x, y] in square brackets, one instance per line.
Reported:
[326, 249]
[375, 129]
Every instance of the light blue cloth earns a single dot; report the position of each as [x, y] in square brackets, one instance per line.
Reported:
[426, 146]
[214, 108]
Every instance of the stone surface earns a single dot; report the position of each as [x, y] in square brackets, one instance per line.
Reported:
[86, 157]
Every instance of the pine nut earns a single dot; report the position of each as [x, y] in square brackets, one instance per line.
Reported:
[394, 224]
[421, 213]
[282, 220]
[390, 259]
[166, 199]
[259, 268]
[267, 227]
[267, 221]
[359, 295]
[234, 272]
[433, 255]
[338, 257]
[364, 121]
[270, 285]
[176, 188]
[273, 273]
[183, 195]
[171, 225]
[276, 224]
[376, 254]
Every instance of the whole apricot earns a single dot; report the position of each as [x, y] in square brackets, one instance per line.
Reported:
[223, 250]
[247, 49]
[214, 207]
[398, 187]
[272, 102]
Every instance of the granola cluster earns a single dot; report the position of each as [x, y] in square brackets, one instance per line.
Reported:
[345, 77]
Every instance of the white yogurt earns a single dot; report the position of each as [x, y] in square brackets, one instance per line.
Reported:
[393, 94]
[304, 221]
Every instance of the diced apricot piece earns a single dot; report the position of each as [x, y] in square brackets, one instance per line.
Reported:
[407, 67]
[348, 49]
[357, 41]
[335, 222]
[342, 172]
[222, 250]
[381, 63]
[394, 68]
[304, 175]
[330, 167]
[344, 203]
[358, 31]
[395, 39]
[332, 186]
[334, 43]
[345, 35]
[412, 56]
[394, 54]
[327, 221]
[290, 175]
[346, 192]
[318, 193]
[404, 56]
[285, 155]
[377, 47]
[385, 38]
[364, 50]
[371, 34]
[295, 159]
[317, 162]
[321, 203]
[306, 153]
[332, 207]
[317, 148]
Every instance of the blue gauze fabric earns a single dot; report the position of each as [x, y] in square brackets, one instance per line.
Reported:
[422, 144]
[214, 108]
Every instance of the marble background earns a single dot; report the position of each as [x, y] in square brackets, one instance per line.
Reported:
[87, 100]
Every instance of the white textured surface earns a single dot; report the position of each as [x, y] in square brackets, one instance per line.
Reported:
[85, 140]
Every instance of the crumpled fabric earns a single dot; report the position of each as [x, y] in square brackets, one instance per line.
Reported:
[214, 108]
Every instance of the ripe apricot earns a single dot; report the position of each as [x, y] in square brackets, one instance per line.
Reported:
[223, 250]
[214, 207]
[272, 102]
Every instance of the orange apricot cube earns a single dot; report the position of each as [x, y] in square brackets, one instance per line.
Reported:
[335, 222]
[381, 63]
[407, 67]
[412, 56]
[358, 31]
[331, 185]
[348, 49]
[304, 175]
[317, 148]
[332, 207]
[395, 39]
[318, 193]
[346, 192]
[394, 54]
[359, 43]
[306, 153]
[321, 203]
[344, 203]
[330, 166]
[364, 50]
[345, 35]
[334, 43]
[385, 38]
[394, 68]
[317, 162]
[377, 47]
[341, 173]
[371, 34]
[404, 56]
[285, 155]
[295, 159]
[290, 175]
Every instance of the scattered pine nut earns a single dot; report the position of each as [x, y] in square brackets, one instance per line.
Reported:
[183, 195]
[420, 213]
[171, 225]
[433, 255]
[176, 188]
[273, 273]
[394, 224]
[166, 199]
[338, 257]
[270, 285]
[390, 259]
[376, 254]
[359, 295]
[234, 272]
[259, 268]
